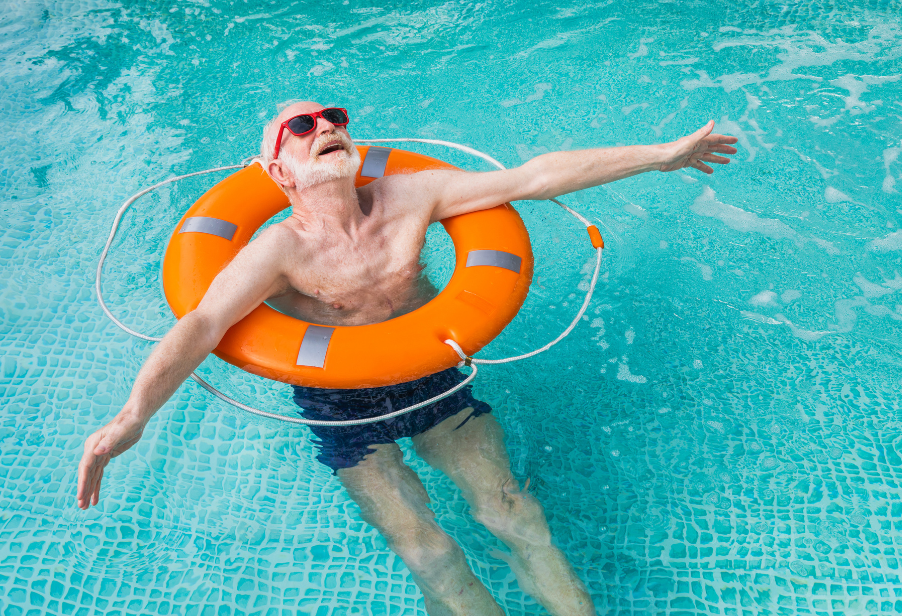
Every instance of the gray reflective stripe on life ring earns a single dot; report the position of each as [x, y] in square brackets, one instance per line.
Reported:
[212, 226]
[496, 258]
[314, 346]
[375, 162]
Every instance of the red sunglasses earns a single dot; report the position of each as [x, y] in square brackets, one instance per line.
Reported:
[305, 123]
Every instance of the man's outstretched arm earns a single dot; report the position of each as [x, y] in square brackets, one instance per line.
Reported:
[558, 173]
[252, 277]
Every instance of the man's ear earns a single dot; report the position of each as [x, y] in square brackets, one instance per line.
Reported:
[277, 173]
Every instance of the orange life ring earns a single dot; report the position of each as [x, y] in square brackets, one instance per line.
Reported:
[491, 279]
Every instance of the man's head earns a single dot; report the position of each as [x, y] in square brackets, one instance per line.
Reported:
[325, 154]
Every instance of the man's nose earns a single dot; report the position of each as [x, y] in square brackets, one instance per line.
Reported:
[324, 126]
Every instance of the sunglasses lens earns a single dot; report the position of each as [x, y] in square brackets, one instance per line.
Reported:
[301, 124]
[335, 116]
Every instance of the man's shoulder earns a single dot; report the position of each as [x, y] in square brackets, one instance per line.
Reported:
[385, 194]
[404, 189]
[277, 240]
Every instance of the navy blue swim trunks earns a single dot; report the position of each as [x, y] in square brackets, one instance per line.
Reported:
[345, 446]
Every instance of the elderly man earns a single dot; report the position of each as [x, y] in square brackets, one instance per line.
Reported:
[351, 256]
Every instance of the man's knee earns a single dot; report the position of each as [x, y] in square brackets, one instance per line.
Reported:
[428, 552]
[513, 515]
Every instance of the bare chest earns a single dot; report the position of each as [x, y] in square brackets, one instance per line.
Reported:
[354, 275]
[367, 279]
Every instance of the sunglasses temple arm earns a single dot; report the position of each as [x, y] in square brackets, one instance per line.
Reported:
[279, 141]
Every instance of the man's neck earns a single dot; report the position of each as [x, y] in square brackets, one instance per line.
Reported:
[330, 205]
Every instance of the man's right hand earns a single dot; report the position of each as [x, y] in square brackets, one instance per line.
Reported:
[111, 440]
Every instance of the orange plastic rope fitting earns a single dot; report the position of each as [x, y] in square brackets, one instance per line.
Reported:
[595, 236]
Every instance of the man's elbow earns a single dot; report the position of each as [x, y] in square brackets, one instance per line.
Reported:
[203, 330]
[536, 184]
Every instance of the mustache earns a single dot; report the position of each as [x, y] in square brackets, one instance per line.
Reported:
[325, 138]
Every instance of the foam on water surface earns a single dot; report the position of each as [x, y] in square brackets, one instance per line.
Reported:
[721, 436]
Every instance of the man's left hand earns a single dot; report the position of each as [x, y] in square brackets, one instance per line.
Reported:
[697, 149]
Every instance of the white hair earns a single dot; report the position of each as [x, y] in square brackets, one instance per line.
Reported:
[271, 131]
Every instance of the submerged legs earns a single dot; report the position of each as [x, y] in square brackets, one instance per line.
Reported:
[393, 500]
[475, 458]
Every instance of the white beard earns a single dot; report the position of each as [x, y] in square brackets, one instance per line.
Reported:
[316, 170]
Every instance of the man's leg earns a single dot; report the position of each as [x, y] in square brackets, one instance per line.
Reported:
[475, 458]
[393, 500]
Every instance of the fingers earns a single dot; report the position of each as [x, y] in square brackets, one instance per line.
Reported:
[88, 487]
[93, 488]
[704, 131]
[88, 459]
[715, 138]
[712, 158]
[95, 497]
[723, 149]
[90, 471]
[702, 167]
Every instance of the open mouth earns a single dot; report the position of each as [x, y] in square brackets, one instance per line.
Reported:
[332, 147]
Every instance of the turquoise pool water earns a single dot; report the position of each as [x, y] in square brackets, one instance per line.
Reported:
[721, 436]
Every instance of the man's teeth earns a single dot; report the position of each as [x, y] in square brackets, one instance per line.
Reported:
[332, 148]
